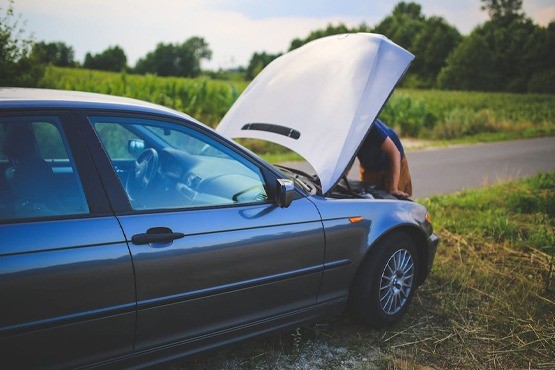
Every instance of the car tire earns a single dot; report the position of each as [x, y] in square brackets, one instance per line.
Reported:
[385, 282]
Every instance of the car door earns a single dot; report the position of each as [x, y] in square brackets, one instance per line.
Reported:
[210, 247]
[66, 276]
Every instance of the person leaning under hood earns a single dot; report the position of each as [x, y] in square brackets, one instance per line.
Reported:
[383, 162]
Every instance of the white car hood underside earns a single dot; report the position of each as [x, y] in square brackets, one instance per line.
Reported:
[322, 99]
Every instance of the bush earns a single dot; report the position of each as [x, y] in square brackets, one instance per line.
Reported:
[470, 66]
[543, 83]
[17, 67]
[464, 122]
[409, 116]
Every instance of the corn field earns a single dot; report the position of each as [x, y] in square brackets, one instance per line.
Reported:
[429, 114]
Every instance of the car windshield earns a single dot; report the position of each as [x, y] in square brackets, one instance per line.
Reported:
[183, 142]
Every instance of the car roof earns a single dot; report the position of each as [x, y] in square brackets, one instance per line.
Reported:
[62, 99]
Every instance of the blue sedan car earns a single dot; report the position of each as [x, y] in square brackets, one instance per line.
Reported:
[132, 234]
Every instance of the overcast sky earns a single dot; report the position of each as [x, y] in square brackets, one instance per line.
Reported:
[234, 29]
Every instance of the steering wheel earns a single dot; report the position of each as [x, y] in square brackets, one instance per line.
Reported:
[143, 173]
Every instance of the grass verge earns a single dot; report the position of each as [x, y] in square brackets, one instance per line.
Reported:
[488, 303]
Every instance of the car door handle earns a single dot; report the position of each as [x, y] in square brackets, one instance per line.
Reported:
[156, 235]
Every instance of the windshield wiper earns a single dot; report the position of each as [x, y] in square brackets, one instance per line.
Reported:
[299, 177]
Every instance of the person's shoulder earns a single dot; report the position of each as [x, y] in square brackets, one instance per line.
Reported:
[380, 129]
[380, 125]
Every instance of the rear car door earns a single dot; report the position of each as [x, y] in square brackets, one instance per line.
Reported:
[211, 250]
[66, 276]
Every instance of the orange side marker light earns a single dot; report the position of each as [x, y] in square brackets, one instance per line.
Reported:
[356, 219]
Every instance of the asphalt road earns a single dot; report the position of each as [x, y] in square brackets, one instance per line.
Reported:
[447, 170]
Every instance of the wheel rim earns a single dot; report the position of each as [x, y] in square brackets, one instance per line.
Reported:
[396, 281]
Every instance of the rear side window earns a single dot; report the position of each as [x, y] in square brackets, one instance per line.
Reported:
[37, 172]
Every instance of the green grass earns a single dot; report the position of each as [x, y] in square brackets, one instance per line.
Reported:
[488, 303]
[470, 116]
[444, 117]
[280, 157]
[514, 214]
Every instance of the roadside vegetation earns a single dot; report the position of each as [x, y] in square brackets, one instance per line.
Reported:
[462, 116]
[488, 303]
[437, 116]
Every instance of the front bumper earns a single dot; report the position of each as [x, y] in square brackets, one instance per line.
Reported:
[433, 242]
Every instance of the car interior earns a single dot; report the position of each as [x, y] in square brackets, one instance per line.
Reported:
[32, 184]
[162, 168]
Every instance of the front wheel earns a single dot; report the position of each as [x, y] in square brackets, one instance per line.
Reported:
[386, 281]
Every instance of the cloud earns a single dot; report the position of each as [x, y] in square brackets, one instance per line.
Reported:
[304, 9]
[543, 16]
[463, 14]
[137, 26]
[235, 36]
[234, 29]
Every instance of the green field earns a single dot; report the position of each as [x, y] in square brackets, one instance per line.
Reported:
[437, 115]
[204, 99]
[474, 116]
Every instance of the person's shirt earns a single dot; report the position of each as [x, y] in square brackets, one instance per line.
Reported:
[370, 155]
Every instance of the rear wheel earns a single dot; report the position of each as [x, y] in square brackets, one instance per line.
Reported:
[385, 283]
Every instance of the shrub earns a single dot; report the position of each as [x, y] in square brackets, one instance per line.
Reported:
[409, 116]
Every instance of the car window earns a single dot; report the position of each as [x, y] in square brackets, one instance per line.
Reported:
[167, 165]
[37, 172]
[115, 138]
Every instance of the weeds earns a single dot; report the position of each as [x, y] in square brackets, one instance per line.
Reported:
[297, 340]
[494, 270]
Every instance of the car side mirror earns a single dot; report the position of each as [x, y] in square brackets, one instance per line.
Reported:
[135, 147]
[285, 191]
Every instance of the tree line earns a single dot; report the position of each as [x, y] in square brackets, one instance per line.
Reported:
[508, 52]
[22, 60]
[179, 59]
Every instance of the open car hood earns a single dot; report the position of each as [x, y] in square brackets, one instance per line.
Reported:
[320, 100]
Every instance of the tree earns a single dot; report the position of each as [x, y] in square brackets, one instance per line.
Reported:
[402, 26]
[111, 59]
[258, 62]
[55, 53]
[17, 67]
[517, 43]
[181, 60]
[431, 40]
[328, 31]
[199, 48]
[502, 8]
[509, 53]
[432, 45]
[471, 66]
[540, 60]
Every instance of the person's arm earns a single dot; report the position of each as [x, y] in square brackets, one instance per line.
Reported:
[394, 172]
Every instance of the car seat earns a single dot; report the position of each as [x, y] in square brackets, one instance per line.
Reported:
[29, 178]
